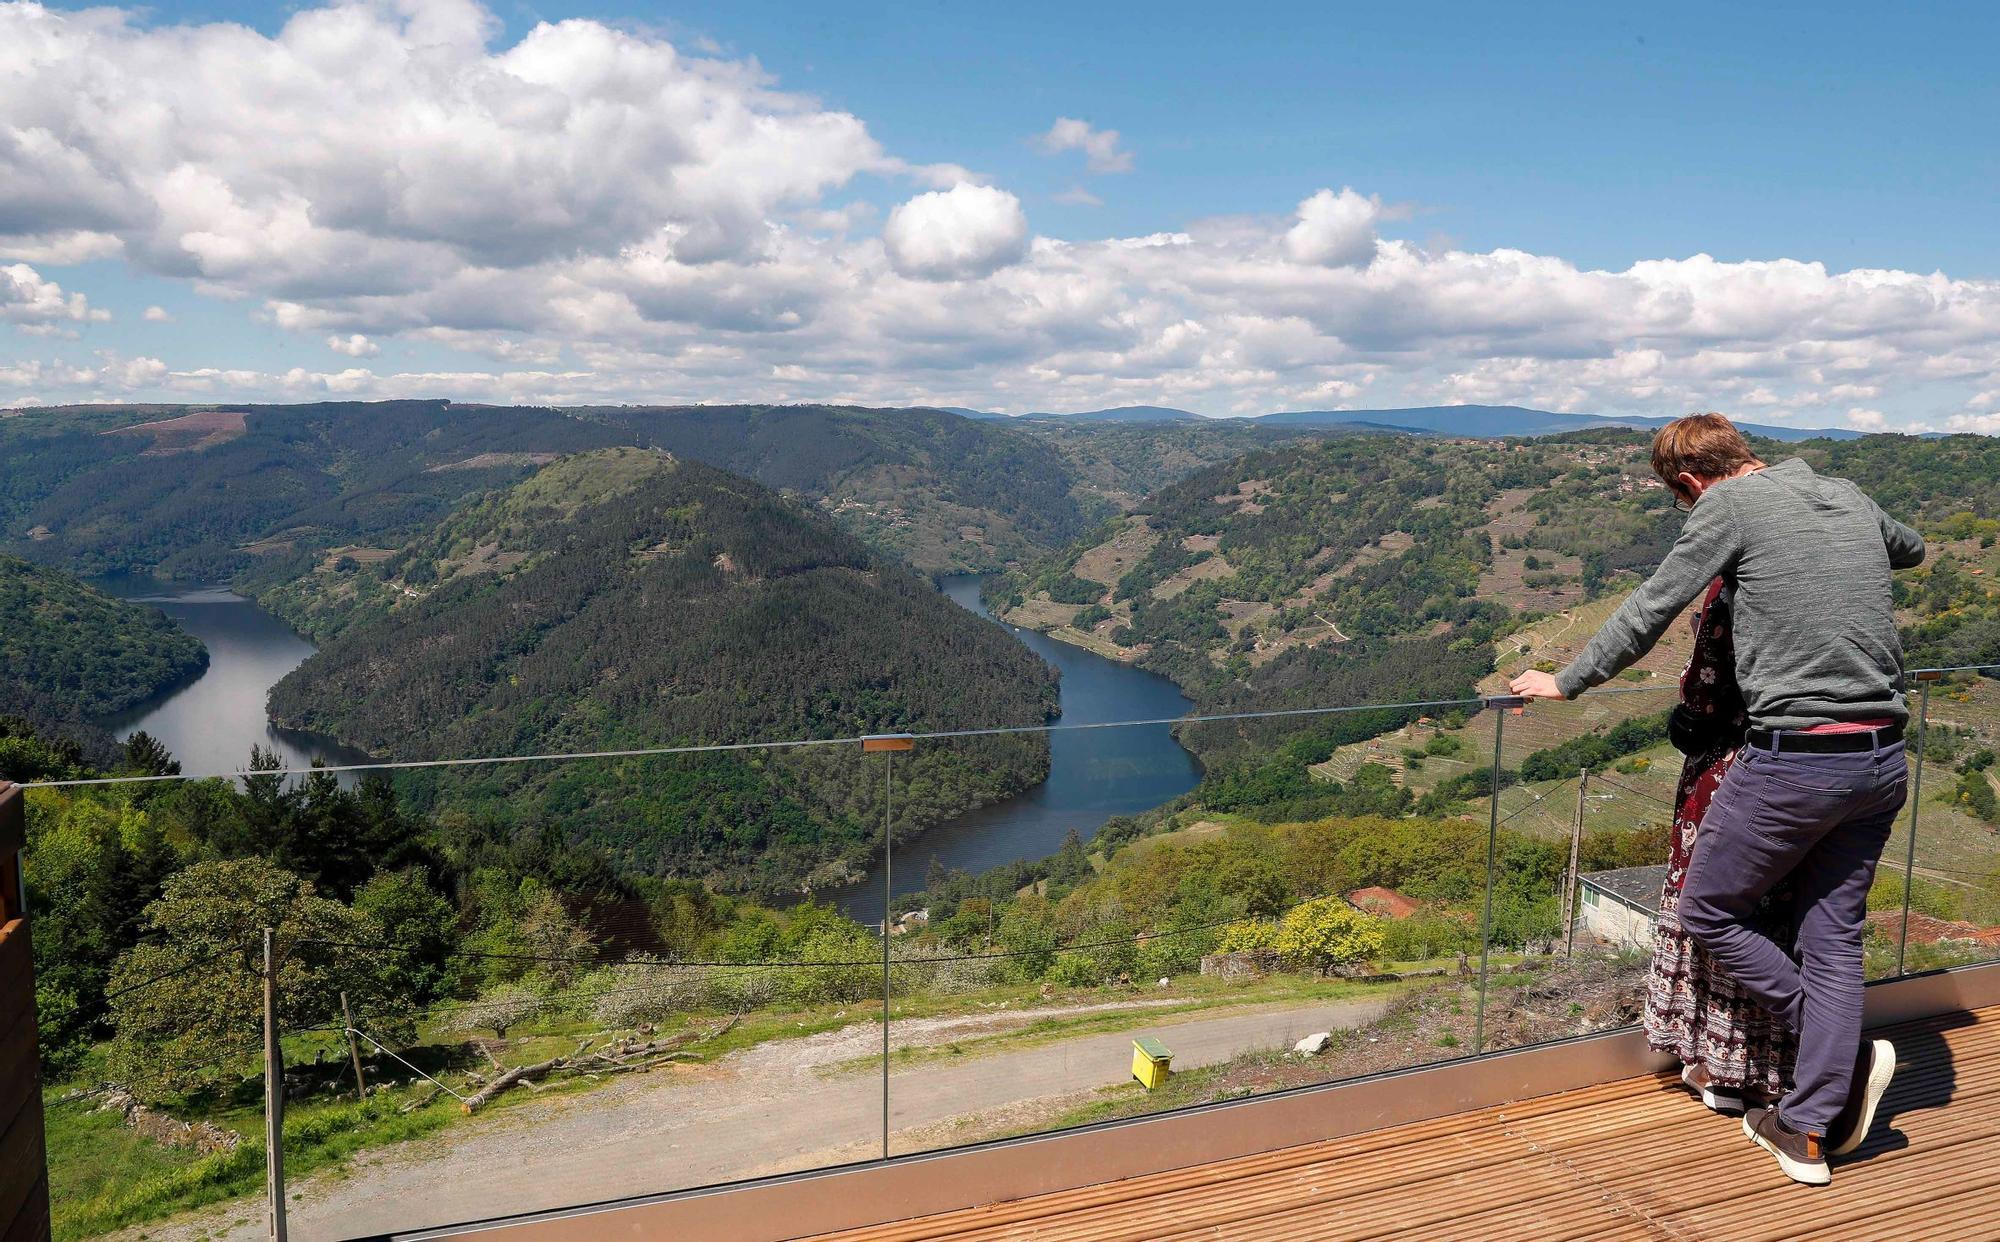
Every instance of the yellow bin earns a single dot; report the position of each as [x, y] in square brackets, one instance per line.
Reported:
[1151, 1062]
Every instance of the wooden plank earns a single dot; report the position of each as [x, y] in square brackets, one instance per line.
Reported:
[20, 1068]
[24, 1192]
[1637, 1159]
[31, 1223]
[22, 1164]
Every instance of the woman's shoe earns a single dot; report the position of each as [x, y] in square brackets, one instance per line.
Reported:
[1719, 1099]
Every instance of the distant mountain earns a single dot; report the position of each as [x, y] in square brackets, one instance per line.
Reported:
[626, 598]
[213, 493]
[1491, 421]
[943, 492]
[1127, 414]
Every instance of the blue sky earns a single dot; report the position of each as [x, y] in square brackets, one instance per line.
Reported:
[1863, 135]
[1587, 137]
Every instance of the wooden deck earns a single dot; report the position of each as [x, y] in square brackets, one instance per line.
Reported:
[1633, 1159]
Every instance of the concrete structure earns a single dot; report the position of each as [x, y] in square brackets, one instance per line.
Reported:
[1622, 907]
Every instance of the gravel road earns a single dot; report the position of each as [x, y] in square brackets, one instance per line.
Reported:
[780, 1106]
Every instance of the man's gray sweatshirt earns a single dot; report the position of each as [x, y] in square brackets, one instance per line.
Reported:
[1809, 557]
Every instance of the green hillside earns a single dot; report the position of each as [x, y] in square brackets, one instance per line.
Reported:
[1393, 568]
[626, 598]
[77, 646]
[255, 492]
[938, 491]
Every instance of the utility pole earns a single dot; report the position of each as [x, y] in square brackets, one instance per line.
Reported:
[274, 1098]
[353, 1049]
[1575, 847]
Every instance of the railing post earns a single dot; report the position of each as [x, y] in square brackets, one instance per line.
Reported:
[1569, 876]
[274, 1098]
[889, 744]
[1926, 679]
[1500, 704]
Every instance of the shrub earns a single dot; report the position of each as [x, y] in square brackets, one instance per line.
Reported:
[1249, 936]
[1327, 932]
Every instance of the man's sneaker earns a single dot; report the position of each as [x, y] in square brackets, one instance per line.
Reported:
[1720, 1099]
[1800, 1155]
[1874, 1066]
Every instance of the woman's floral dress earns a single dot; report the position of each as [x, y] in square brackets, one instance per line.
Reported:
[1693, 1009]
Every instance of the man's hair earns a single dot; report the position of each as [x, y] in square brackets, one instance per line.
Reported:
[1707, 446]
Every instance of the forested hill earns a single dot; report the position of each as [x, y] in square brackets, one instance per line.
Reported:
[625, 598]
[69, 652]
[260, 494]
[77, 644]
[940, 491]
[1379, 566]
[256, 492]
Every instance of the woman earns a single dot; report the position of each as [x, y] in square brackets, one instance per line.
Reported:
[1733, 1051]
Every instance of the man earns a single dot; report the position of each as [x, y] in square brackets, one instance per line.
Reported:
[1818, 782]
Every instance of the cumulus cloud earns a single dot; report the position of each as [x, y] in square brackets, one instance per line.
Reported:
[158, 314]
[966, 231]
[354, 345]
[1335, 230]
[390, 145]
[1077, 196]
[593, 214]
[1099, 146]
[1863, 419]
[28, 298]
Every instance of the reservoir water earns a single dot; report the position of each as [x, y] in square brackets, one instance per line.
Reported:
[211, 723]
[1094, 774]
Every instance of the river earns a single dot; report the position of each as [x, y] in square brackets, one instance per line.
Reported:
[211, 723]
[1094, 774]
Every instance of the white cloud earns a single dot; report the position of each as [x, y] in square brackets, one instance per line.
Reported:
[591, 213]
[30, 299]
[1867, 420]
[354, 345]
[391, 145]
[1099, 146]
[1335, 230]
[158, 314]
[966, 231]
[1077, 196]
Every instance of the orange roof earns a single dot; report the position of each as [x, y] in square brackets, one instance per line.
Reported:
[1385, 902]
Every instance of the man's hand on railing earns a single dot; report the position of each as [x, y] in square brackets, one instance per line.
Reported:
[1535, 684]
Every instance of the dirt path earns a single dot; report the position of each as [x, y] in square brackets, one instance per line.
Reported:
[783, 1105]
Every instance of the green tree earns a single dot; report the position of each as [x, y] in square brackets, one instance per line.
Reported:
[555, 936]
[190, 1000]
[423, 927]
[145, 756]
[1327, 932]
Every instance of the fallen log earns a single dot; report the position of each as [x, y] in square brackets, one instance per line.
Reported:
[520, 1073]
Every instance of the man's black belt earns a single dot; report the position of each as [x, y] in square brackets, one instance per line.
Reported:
[1824, 743]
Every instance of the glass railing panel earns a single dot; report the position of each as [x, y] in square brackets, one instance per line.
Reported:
[1079, 925]
[1288, 922]
[1582, 832]
[539, 1020]
[1953, 885]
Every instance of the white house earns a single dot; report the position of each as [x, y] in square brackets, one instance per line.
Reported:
[1622, 907]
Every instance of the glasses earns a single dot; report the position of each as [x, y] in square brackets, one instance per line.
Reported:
[1682, 504]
